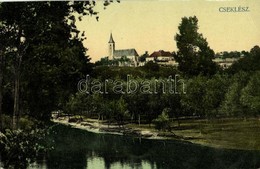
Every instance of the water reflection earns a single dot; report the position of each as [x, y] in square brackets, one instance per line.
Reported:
[76, 149]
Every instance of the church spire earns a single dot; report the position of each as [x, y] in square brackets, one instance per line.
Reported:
[111, 40]
[111, 47]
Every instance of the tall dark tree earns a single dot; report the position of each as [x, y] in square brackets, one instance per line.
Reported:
[2, 37]
[2, 49]
[49, 57]
[12, 37]
[194, 55]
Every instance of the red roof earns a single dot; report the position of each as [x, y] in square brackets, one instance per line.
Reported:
[160, 53]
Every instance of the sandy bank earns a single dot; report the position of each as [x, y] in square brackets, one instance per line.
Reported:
[96, 127]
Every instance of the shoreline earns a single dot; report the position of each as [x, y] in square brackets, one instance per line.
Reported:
[94, 126]
[99, 128]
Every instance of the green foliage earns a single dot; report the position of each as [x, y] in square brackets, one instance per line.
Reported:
[143, 57]
[115, 62]
[119, 109]
[79, 104]
[103, 62]
[232, 54]
[163, 121]
[194, 55]
[26, 124]
[137, 104]
[19, 148]
[250, 95]
[192, 101]
[205, 97]
[51, 56]
[7, 121]
[151, 66]
[173, 103]
[112, 72]
[215, 91]
[231, 104]
[251, 62]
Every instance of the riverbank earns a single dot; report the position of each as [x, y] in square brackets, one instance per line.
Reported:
[225, 133]
[94, 126]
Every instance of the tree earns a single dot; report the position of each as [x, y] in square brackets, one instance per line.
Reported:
[3, 46]
[250, 95]
[173, 103]
[121, 111]
[192, 101]
[137, 103]
[14, 26]
[46, 37]
[103, 62]
[20, 148]
[151, 66]
[154, 106]
[215, 91]
[163, 121]
[143, 57]
[1, 82]
[231, 104]
[194, 55]
[251, 62]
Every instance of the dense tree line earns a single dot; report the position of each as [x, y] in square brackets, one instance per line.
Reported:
[232, 54]
[42, 56]
[41, 60]
[222, 95]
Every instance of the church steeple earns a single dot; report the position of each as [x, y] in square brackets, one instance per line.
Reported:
[111, 47]
[111, 40]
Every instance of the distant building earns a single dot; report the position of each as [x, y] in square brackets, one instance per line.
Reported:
[162, 57]
[125, 57]
[225, 62]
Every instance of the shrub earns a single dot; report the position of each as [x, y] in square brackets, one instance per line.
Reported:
[7, 121]
[163, 121]
[26, 124]
[19, 148]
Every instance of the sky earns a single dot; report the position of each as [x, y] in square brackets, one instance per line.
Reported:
[150, 25]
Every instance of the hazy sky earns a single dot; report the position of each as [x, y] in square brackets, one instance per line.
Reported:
[150, 25]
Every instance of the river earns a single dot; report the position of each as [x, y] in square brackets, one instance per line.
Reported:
[78, 149]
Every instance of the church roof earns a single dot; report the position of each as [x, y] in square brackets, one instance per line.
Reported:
[111, 40]
[160, 53]
[125, 52]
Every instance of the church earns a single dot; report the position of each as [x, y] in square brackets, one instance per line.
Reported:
[125, 57]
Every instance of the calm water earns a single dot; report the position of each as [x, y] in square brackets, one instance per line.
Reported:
[77, 149]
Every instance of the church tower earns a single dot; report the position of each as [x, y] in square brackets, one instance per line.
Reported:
[111, 48]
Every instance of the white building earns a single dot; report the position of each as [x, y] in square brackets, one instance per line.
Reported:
[126, 57]
[162, 57]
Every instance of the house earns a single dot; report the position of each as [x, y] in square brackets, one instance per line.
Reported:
[125, 57]
[225, 62]
[162, 57]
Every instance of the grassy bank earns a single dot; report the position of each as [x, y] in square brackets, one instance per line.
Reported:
[221, 133]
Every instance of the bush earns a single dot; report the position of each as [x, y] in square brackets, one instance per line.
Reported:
[163, 121]
[26, 124]
[7, 121]
[19, 148]
[151, 66]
